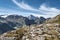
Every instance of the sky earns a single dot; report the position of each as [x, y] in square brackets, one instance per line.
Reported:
[45, 8]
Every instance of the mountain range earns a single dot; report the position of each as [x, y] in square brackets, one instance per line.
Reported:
[7, 23]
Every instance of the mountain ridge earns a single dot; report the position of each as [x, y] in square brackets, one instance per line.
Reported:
[19, 21]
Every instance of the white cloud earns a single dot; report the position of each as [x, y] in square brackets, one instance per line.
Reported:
[9, 12]
[49, 11]
[24, 6]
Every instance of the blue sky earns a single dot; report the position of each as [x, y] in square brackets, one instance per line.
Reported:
[45, 8]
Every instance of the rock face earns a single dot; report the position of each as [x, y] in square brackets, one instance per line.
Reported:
[4, 27]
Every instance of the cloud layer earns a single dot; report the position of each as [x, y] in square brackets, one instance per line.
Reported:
[42, 11]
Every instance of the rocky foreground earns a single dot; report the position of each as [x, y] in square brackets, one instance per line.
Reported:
[40, 32]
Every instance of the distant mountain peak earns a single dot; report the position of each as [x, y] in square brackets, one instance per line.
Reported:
[32, 17]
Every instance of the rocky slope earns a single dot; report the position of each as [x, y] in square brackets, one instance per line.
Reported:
[47, 31]
[54, 20]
